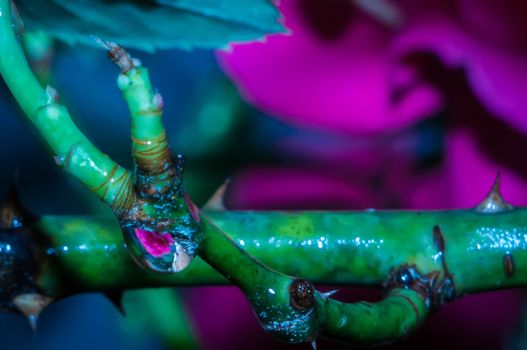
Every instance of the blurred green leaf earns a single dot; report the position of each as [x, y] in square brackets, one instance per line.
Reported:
[153, 24]
[159, 313]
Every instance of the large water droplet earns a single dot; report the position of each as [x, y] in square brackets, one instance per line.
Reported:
[159, 252]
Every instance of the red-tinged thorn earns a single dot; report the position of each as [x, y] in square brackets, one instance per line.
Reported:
[217, 201]
[494, 203]
[116, 298]
[31, 306]
[13, 214]
[193, 209]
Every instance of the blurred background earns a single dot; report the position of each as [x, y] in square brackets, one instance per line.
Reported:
[364, 104]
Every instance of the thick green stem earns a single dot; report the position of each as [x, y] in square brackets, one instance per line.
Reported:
[480, 251]
[350, 248]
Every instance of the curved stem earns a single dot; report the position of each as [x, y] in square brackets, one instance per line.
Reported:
[71, 148]
[395, 317]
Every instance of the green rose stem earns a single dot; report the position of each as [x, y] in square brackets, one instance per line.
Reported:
[72, 149]
[341, 248]
[482, 249]
[47, 258]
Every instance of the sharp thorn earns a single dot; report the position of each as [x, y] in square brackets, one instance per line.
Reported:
[107, 45]
[31, 306]
[217, 201]
[18, 24]
[494, 202]
[314, 345]
[329, 294]
[12, 212]
[33, 320]
[116, 298]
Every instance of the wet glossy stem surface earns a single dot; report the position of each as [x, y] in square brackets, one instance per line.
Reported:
[71, 148]
[482, 251]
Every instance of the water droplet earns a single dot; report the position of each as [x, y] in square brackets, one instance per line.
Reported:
[159, 252]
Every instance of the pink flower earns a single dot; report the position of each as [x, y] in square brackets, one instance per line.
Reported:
[486, 39]
[355, 79]
[345, 82]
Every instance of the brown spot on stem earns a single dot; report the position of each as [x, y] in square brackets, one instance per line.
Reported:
[120, 57]
[435, 287]
[439, 240]
[508, 265]
[302, 295]
[443, 286]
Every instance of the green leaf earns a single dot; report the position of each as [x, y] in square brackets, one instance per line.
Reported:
[161, 313]
[153, 24]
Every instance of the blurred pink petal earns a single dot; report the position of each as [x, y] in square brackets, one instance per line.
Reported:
[496, 69]
[344, 85]
[500, 23]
